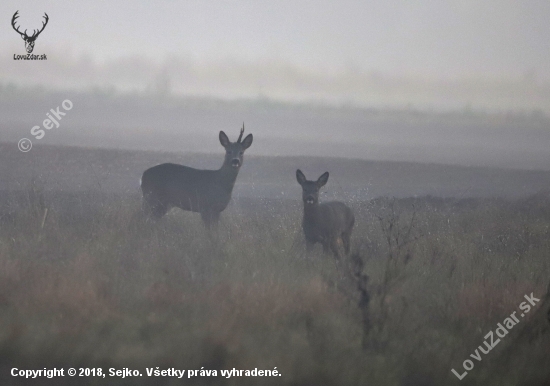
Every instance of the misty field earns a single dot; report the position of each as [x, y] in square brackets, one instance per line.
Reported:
[90, 283]
[432, 119]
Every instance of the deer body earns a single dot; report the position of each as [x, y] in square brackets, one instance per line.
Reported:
[328, 223]
[207, 192]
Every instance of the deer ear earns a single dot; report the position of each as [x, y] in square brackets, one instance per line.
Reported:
[322, 180]
[247, 141]
[224, 140]
[300, 177]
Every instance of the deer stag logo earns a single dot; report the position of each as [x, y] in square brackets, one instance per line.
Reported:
[29, 40]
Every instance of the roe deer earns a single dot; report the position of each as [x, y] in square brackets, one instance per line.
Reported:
[204, 191]
[326, 223]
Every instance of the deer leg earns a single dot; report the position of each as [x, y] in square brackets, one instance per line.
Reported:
[211, 220]
[154, 209]
[309, 247]
[215, 222]
[346, 240]
[207, 220]
[334, 244]
[159, 210]
[326, 247]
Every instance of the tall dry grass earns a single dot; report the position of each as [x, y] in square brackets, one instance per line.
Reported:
[97, 285]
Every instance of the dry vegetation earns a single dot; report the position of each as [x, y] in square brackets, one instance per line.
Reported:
[95, 285]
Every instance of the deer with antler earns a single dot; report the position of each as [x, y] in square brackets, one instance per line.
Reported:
[29, 40]
[207, 192]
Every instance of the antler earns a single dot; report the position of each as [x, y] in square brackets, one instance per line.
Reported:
[241, 135]
[35, 34]
[13, 19]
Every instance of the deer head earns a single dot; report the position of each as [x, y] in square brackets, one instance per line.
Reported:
[29, 40]
[310, 189]
[234, 151]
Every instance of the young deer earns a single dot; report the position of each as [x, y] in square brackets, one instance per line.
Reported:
[204, 191]
[326, 223]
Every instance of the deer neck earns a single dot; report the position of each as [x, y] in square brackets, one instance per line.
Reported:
[227, 175]
[311, 211]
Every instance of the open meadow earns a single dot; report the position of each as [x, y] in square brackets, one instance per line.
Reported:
[290, 193]
[86, 281]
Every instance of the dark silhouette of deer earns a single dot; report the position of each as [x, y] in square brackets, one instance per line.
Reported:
[29, 40]
[329, 223]
[204, 191]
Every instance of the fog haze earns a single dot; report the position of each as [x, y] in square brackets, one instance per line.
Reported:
[463, 83]
[436, 55]
[432, 119]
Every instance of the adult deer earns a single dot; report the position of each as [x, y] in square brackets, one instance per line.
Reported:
[328, 223]
[29, 40]
[204, 191]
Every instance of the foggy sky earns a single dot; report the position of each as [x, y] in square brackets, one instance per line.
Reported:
[491, 54]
